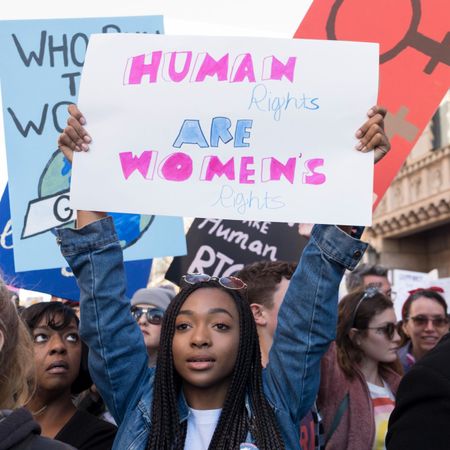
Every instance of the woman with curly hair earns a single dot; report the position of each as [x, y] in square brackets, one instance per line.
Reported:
[60, 359]
[17, 427]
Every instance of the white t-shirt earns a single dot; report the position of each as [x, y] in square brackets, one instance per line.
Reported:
[200, 428]
[383, 402]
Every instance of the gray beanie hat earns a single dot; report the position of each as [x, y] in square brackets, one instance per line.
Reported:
[160, 296]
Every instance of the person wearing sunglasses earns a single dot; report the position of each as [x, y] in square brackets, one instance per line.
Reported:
[424, 323]
[360, 373]
[147, 307]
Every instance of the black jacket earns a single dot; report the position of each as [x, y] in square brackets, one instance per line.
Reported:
[18, 431]
[87, 432]
[421, 418]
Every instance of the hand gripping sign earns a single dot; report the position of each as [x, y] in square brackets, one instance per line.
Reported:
[414, 42]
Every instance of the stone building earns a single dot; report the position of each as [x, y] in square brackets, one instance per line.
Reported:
[411, 225]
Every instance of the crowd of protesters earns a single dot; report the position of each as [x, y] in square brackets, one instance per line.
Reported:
[268, 359]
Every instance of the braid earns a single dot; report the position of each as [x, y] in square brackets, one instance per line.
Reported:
[246, 382]
[166, 432]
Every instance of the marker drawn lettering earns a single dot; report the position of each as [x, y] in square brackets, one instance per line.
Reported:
[182, 66]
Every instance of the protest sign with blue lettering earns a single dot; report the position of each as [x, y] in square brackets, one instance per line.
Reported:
[40, 70]
[229, 128]
[59, 282]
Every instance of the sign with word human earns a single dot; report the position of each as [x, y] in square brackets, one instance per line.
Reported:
[234, 128]
[223, 247]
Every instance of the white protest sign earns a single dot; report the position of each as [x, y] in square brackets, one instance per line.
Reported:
[443, 283]
[233, 128]
[404, 281]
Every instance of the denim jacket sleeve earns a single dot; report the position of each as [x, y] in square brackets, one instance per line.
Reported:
[307, 319]
[117, 353]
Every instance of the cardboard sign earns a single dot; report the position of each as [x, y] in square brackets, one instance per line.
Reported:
[222, 247]
[58, 282]
[237, 128]
[40, 71]
[414, 38]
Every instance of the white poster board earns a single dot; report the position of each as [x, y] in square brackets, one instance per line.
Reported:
[443, 283]
[233, 128]
[404, 281]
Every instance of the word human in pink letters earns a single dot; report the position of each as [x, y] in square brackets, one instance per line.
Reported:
[196, 68]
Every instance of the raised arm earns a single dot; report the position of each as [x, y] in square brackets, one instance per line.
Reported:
[308, 315]
[117, 354]
[307, 319]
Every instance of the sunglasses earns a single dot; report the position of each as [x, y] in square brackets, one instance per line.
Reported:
[422, 321]
[370, 292]
[388, 330]
[226, 282]
[389, 293]
[154, 316]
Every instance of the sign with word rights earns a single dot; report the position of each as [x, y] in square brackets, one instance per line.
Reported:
[231, 128]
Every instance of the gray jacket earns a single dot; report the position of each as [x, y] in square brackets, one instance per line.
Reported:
[19, 431]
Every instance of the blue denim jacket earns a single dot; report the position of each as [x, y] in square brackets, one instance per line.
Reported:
[118, 357]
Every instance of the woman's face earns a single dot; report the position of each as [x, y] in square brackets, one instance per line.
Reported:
[57, 355]
[426, 324]
[205, 344]
[151, 332]
[375, 342]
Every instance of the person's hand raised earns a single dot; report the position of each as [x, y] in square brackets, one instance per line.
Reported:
[74, 138]
[371, 135]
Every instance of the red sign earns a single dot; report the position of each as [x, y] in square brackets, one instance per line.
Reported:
[414, 40]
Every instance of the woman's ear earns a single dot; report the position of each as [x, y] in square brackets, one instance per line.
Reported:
[405, 328]
[353, 334]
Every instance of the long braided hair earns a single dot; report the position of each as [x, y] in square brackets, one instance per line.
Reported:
[234, 423]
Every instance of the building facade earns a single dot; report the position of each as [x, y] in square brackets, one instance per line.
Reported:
[411, 225]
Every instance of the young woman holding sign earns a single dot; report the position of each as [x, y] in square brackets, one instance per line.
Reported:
[208, 390]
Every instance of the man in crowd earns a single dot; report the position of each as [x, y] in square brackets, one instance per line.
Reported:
[267, 283]
[366, 275]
